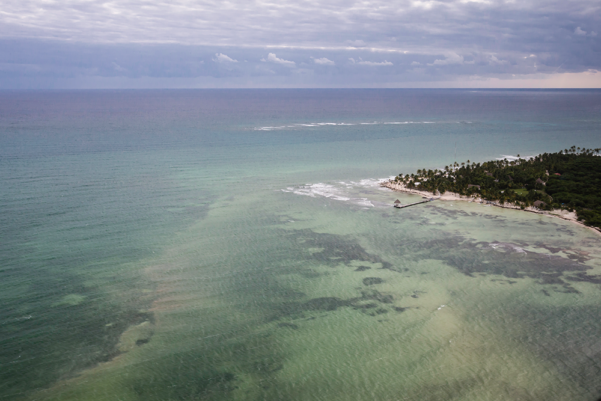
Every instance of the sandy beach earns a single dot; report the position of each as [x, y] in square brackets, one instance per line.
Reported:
[452, 196]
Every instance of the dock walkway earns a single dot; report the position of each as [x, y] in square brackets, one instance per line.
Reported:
[399, 206]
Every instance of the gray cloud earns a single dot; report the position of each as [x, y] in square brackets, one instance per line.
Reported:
[416, 40]
[356, 43]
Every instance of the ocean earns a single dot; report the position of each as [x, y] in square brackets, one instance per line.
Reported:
[236, 245]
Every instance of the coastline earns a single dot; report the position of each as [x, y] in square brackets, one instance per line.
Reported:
[452, 196]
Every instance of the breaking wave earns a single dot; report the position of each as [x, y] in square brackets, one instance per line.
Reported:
[343, 191]
[325, 124]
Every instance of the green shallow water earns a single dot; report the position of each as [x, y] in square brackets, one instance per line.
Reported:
[272, 296]
[271, 266]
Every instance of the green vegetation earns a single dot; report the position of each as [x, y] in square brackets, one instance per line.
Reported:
[569, 179]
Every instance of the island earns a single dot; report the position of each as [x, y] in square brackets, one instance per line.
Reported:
[566, 184]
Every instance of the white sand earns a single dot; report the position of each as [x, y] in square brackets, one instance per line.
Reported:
[452, 196]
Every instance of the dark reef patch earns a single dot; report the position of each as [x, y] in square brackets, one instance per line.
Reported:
[550, 248]
[582, 276]
[288, 325]
[325, 303]
[335, 249]
[365, 306]
[366, 303]
[453, 214]
[186, 381]
[211, 369]
[372, 280]
[362, 268]
[55, 347]
[377, 296]
[568, 337]
[503, 259]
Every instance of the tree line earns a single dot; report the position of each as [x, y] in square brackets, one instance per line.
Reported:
[569, 179]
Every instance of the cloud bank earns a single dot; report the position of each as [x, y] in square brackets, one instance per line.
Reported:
[44, 43]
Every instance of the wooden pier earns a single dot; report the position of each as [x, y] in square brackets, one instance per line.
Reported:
[399, 206]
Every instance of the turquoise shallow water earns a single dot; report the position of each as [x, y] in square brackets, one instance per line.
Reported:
[177, 245]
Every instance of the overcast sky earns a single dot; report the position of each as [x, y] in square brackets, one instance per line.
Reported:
[300, 43]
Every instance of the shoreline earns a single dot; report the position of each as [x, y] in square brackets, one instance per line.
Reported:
[452, 196]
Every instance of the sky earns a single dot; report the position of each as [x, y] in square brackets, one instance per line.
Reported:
[77, 44]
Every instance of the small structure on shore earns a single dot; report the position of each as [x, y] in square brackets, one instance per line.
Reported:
[539, 204]
[472, 185]
[539, 181]
[397, 201]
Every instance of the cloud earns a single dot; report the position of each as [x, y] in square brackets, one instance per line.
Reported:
[452, 39]
[580, 32]
[356, 43]
[416, 63]
[451, 58]
[492, 59]
[117, 67]
[272, 58]
[370, 63]
[323, 61]
[222, 58]
[375, 63]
